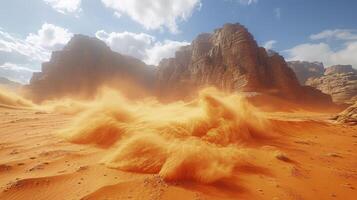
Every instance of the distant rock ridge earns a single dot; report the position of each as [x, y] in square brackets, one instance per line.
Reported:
[84, 65]
[230, 59]
[305, 70]
[339, 69]
[340, 81]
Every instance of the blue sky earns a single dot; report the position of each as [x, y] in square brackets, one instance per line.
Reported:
[312, 30]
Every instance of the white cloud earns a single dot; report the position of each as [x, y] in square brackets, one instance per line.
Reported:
[277, 12]
[21, 56]
[247, 2]
[140, 45]
[15, 45]
[269, 44]
[155, 14]
[65, 6]
[160, 50]
[243, 2]
[127, 43]
[15, 72]
[36, 47]
[50, 37]
[323, 52]
[338, 34]
[309, 52]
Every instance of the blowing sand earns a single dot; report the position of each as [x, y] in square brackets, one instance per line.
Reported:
[215, 147]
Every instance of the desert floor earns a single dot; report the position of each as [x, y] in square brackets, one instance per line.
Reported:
[35, 163]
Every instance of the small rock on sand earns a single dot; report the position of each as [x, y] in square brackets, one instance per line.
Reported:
[282, 157]
[335, 155]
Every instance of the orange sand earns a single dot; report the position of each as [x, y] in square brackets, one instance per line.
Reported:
[216, 147]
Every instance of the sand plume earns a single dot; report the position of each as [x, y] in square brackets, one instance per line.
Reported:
[11, 99]
[201, 140]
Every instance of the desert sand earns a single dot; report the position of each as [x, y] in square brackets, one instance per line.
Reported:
[121, 150]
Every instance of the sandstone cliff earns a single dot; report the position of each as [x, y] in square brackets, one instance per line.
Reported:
[83, 66]
[230, 59]
[339, 81]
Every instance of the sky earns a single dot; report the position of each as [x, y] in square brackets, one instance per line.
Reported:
[309, 30]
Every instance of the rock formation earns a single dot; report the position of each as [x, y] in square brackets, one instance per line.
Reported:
[348, 116]
[230, 59]
[305, 70]
[339, 81]
[339, 69]
[83, 66]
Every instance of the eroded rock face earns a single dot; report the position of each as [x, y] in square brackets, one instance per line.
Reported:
[305, 70]
[83, 66]
[348, 116]
[339, 81]
[339, 69]
[230, 59]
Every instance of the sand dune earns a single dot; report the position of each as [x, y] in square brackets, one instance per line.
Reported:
[12, 100]
[216, 147]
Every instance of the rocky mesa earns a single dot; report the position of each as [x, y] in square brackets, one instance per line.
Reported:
[83, 66]
[230, 59]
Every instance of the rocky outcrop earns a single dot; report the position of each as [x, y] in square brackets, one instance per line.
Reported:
[305, 70]
[230, 59]
[348, 116]
[339, 69]
[339, 81]
[84, 65]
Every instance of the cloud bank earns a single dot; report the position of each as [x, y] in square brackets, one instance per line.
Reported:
[337, 34]
[155, 14]
[140, 45]
[324, 51]
[50, 37]
[19, 57]
[65, 6]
